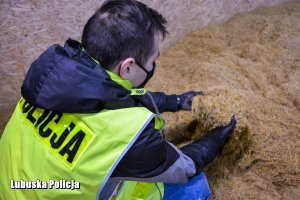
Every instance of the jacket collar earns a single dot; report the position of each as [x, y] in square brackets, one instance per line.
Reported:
[116, 78]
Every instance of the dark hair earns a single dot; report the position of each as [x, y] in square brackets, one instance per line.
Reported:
[120, 29]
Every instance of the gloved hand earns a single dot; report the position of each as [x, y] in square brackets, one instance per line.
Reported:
[222, 133]
[184, 101]
[204, 150]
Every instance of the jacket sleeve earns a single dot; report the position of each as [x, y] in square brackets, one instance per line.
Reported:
[152, 159]
[164, 103]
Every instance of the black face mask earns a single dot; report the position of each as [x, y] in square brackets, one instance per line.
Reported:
[149, 74]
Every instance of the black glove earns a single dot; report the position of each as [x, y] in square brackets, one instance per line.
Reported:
[184, 101]
[203, 151]
[222, 133]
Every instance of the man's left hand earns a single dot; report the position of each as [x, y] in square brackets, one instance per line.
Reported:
[184, 101]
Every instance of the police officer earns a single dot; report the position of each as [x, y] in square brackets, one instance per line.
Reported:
[85, 116]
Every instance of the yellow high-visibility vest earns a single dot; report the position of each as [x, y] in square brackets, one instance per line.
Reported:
[51, 153]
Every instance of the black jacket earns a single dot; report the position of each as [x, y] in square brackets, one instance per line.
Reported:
[65, 79]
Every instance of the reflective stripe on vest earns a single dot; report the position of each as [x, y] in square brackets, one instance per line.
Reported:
[140, 190]
[39, 145]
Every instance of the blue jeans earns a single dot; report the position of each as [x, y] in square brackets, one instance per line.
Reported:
[195, 188]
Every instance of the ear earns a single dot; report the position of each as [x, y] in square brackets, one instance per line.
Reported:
[126, 67]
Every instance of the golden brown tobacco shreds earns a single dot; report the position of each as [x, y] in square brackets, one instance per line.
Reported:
[248, 67]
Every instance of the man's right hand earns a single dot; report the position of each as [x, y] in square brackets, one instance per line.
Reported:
[184, 101]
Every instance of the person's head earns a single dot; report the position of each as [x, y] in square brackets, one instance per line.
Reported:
[124, 36]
